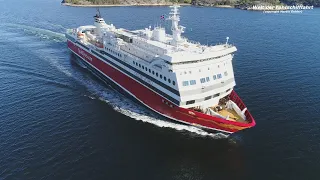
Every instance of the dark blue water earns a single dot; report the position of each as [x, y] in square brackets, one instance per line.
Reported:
[57, 121]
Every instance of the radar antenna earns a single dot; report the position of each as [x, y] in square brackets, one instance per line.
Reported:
[98, 13]
[175, 27]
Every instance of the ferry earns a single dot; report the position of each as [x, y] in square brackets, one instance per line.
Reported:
[173, 76]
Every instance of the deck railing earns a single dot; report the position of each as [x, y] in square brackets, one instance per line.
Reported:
[235, 98]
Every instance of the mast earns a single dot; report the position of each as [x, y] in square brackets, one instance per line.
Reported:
[99, 21]
[98, 12]
[176, 29]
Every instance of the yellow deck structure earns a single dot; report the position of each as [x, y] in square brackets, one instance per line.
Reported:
[233, 116]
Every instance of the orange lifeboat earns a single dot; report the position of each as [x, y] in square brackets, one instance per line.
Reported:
[80, 35]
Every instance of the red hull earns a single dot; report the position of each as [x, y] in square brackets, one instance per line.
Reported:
[158, 103]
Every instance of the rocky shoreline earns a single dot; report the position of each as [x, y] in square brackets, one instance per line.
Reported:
[249, 8]
[162, 4]
[115, 5]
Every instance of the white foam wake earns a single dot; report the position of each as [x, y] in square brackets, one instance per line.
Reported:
[131, 109]
[42, 33]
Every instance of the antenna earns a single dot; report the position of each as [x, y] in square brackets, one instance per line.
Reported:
[98, 12]
[227, 40]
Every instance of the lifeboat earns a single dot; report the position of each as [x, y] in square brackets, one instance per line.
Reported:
[80, 35]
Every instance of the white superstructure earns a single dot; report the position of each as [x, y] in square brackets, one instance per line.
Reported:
[190, 74]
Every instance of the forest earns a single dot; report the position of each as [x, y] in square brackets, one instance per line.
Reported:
[315, 3]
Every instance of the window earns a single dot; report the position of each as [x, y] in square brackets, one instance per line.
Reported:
[174, 83]
[216, 95]
[192, 82]
[134, 62]
[153, 72]
[219, 76]
[207, 79]
[146, 69]
[226, 73]
[185, 83]
[149, 70]
[190, 102]
[160, 76]
[169, 80]
[140, 65]
[214, 77]
[164, 78]
[157, 74]
[227, 90]
[207, 98]
[202, 80]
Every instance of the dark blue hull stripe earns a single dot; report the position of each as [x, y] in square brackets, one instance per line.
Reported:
[176, 102]
[174, 91]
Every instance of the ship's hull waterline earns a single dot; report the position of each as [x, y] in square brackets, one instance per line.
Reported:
[156, 102]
